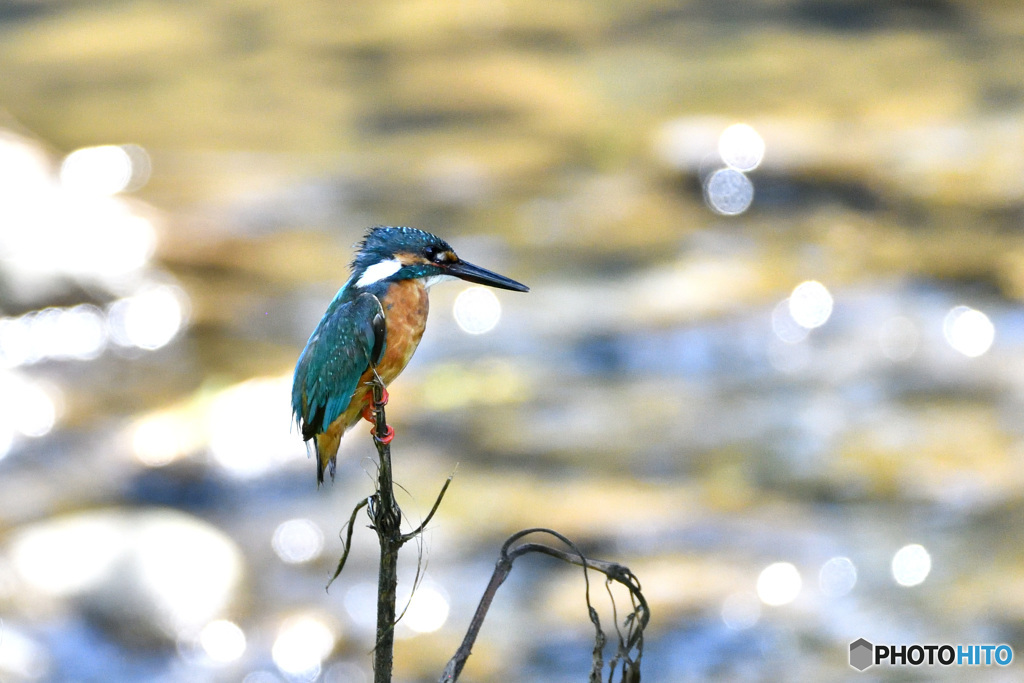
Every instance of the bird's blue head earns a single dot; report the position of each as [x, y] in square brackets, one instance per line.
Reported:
[389, 254]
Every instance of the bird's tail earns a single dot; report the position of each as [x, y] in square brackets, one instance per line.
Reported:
[326, 455]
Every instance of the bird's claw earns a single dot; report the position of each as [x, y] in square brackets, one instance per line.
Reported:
[372, 405]
[386, 439]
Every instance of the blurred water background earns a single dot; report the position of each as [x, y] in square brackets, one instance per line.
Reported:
[771, 359]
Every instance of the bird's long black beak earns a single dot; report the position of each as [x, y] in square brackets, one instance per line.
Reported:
[471, 273]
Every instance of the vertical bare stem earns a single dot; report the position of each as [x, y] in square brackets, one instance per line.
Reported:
[387, 518]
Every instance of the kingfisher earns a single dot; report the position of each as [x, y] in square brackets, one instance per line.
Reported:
[374, 324]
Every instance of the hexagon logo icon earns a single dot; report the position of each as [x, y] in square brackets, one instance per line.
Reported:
[861, 654]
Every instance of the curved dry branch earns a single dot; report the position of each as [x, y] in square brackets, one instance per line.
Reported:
[430, 515]
[347, 543]
[630, 645]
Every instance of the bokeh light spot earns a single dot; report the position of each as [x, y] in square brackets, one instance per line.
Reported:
[361, 605]
[741, 147]
[785, 327]
[148, 320]
[302, 644]
[190, 570]
[78, 333]
[728, 191]
[248, 436]
[28, 406]
[16, 343]
[36, 412]
[21, 657]
[810, 304]
[477, 310]
[969, 331]
[911, 565]
[428, 610]
[125, 245]
[104, 170]
[160, 439]
[778, 584]
[297, 541]
[82, 331]
[142, 167]
[837, 577]
[899, 338]
[741, 611]
[42, 553]
[223, 641]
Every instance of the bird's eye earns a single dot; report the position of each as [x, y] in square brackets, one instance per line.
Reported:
[435, 254]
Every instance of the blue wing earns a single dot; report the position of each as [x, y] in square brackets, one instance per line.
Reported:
[339, 351]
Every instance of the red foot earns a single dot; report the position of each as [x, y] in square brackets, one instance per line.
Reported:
[387, 437]
[368, 410]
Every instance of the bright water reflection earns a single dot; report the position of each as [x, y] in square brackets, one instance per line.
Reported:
[911, 565]
[297, 541]
[301, 645]
[837, 577]
[779, 584]
[104, 170]
[223, 641]
[969, 331]
[741, 147]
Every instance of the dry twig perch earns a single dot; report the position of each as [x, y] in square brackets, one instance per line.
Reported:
[386, 519]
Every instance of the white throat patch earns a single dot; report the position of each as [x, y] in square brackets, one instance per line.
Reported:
[378, 272]
[432, 280]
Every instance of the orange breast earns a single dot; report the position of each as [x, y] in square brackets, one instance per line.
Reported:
[405, 314]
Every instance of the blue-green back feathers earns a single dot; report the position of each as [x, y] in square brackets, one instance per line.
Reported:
[338, 352]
